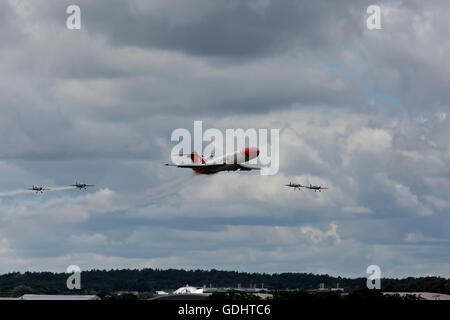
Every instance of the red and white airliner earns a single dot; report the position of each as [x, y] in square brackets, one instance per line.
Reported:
[228, 162]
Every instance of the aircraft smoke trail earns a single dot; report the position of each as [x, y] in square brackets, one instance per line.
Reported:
[60, 189]
[168, 188]
[16, 193]
[23, 192]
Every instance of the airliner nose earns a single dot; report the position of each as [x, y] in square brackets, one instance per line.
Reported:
[251, 152]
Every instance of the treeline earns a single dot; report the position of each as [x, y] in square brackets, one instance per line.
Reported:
[150, 280]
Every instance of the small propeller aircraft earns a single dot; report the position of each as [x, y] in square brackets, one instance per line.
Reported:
[315, 188]
[81, 185]
[296, 186]
[38, 189]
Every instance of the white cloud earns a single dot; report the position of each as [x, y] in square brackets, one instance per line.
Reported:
[357, 209]
[318, 236]
[90, 240]
[414, 237]
[375, 141]
[4, 246]
[437, 202]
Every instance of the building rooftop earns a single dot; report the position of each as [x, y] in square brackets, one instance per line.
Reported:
[58, 297]
[423, 295]
[188, 290]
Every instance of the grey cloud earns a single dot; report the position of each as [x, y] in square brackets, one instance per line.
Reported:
[228, 29]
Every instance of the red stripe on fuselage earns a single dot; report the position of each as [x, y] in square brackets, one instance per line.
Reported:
[197, 159]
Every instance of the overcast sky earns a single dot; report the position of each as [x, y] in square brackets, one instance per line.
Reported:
[363, 112]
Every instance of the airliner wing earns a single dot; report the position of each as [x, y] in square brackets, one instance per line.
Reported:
[194, 166]
[223, 167]
[237, 166]
[245, 168]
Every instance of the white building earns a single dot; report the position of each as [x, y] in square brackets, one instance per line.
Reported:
[57, 297]
[188, 290]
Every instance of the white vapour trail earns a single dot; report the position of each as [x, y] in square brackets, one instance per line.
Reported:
[60, 189]
[23, 192]
[168, 188]
[16, 193]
